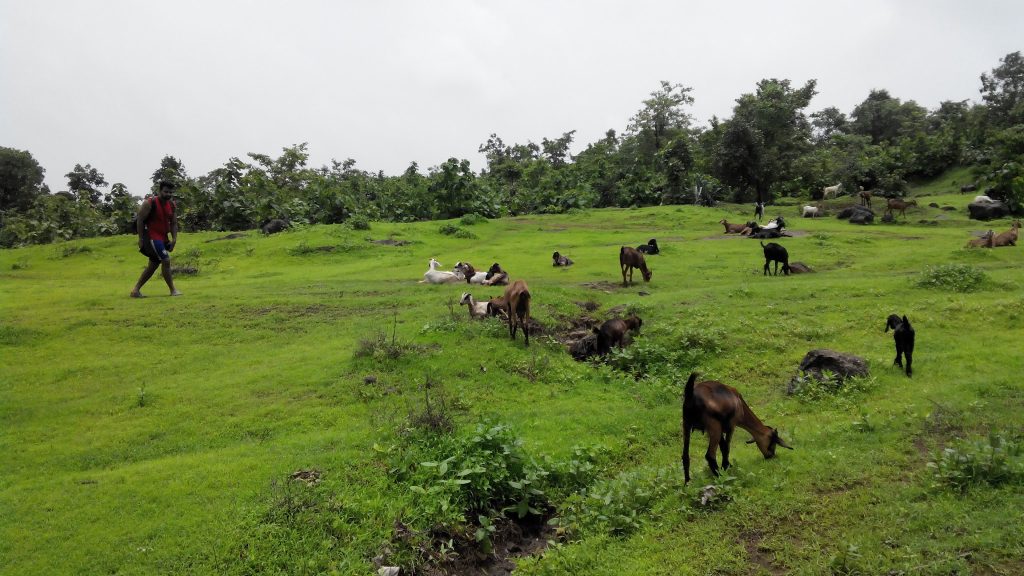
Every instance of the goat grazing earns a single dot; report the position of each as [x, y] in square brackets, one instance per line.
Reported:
[718, 409]
[613, 332]
[732, 228]
[517, 306]
[831, 191]
[435, 276]
[476, 308]
[650, 248]
[495, 276]
[901, 205]
[985, 241]
[559, 260]
[903, 334]
[811, 211]
[775, 253]
[1008, 238]
[630, 258]
[759, 210]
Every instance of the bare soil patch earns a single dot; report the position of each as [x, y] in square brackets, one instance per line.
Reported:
[232, 236]
[391, 242]
[751, 541]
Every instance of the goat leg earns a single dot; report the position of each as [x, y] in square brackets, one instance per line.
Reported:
[686, 453]
[726, 440]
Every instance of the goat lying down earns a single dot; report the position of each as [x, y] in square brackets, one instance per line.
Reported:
[718, 409]
[435, 276]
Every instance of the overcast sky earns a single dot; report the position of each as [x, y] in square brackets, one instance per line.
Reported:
[120, 84]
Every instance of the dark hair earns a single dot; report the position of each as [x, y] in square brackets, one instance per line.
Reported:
[168, 185]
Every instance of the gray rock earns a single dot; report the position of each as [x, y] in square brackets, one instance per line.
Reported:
[987, 210]
[274, 226]
[839, 363]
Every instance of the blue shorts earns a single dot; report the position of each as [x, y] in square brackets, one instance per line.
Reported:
[156, 250]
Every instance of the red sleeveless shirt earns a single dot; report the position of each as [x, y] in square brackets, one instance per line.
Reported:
[158, 224]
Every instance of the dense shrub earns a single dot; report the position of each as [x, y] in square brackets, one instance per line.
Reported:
[359, 222]
[952, 277]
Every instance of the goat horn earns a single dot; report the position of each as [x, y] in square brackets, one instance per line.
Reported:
[751, 441]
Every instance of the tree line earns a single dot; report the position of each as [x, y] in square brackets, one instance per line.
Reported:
[769, 147]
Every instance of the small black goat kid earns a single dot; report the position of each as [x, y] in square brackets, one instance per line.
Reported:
[903, 334]
[560, 260]
[777, 253]
[718, 409]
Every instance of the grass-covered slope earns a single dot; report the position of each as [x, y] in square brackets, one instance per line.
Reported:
[158, 435]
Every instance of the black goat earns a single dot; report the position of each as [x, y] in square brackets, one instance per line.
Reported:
[777, 253]
[559, 260]
[903, 334]
[650, 248]
[759, 211]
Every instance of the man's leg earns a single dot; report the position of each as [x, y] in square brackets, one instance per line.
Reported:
[165, 267]
[146, 275]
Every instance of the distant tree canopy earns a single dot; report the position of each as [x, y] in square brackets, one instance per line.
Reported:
[769, 147]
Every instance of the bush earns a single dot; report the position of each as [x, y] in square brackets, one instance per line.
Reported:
[673, 354]
[359, 222]
[471, 219]
[619, 505]
[453, 230]
[952, 277]
[995, 461]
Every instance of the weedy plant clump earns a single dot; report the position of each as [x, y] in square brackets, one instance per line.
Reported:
[453, 230]
[994, 461]
[952, 278]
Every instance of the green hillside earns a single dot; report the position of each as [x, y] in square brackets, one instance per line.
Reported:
[159, 436]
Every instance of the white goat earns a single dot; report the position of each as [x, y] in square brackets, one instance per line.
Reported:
[831, 191]
[984, 199]
[811, 211]
[435, 276]
[476, 309]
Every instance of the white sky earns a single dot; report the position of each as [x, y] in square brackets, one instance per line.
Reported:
[119, 84]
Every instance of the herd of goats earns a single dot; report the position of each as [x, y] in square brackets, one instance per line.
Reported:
[709, 406]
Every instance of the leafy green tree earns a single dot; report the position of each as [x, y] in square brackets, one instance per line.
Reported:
[1003, 91]
[84, 183]
[759, 146]
[120, 207]
[828, 122]
[453, 185]
[171, 170]
[885, 118]
[21, 179]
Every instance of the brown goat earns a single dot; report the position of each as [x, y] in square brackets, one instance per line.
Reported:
[865, 197]
[630, 258]
[732, 228]
[1008, 238]
[985, 241]
[901, 205]
[517, 306]
[613, 332]
[496, 307]
[718, 409]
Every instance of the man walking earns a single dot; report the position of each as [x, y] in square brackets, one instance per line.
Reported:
[156, 219]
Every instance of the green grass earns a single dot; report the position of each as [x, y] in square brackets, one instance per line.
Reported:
[157, 436]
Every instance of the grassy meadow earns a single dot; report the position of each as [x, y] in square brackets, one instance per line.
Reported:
[159, 436]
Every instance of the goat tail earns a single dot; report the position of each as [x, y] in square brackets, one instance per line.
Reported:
[762, 244]
[688, 389]
[523, 304]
